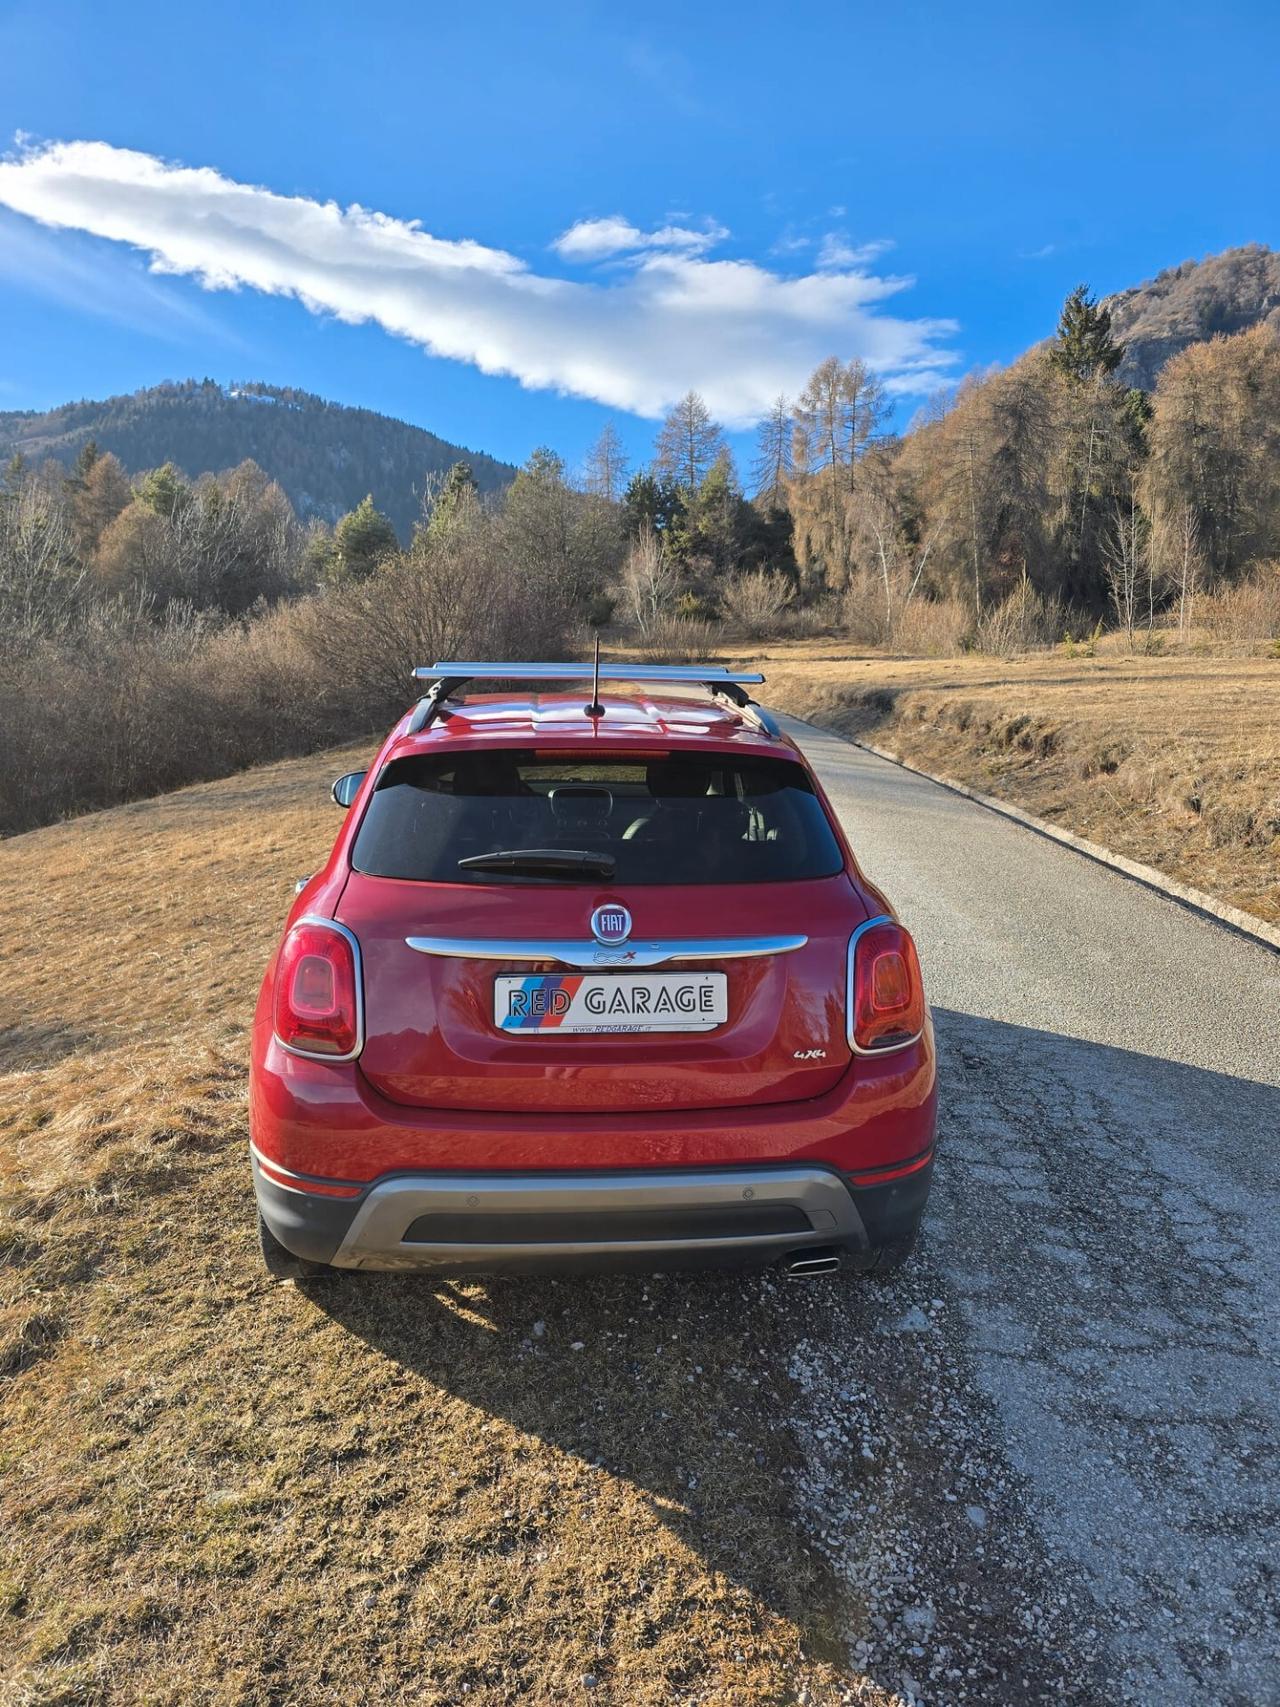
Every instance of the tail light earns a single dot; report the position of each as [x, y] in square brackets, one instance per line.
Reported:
[317, 1007]
[886, 992]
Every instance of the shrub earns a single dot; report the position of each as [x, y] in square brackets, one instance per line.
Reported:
[1022, 620]
[862, 615]
[692, 607]
[931, 628]
[126, 703]
[810, 621]
[679, 640]
[754, 602]
[1244, 613]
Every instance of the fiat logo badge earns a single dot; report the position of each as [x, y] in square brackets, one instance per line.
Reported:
[611, 924]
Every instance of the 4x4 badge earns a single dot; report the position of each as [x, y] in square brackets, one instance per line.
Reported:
[611, 925]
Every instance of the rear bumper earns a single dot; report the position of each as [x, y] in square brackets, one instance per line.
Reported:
[458, 1223]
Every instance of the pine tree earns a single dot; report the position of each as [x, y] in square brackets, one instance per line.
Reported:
[651, 503]
[458, 493]
[545, 466]
[714, 532]
[1083, 347]
[642, 501]
[363, 539]
[688, 443]
[164, 490]
[82, 467]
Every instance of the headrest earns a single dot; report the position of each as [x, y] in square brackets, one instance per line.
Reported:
[487, 773]
[684, 778]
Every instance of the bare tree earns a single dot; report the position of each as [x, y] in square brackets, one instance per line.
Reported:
[899, 561]
[836, 416]
[865, 408]
[1188, 563]
[1214, 443]
[605, 472]
[40, 575]
[1126, 556]
[838, 412]
[775, 459]
[648, 579]
[688, 442]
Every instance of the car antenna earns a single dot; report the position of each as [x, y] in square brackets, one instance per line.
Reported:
[595, 709]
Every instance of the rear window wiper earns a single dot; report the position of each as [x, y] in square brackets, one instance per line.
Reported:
[544, 862]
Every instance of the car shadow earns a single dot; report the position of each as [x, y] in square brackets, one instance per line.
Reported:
[735, 1403]
[675, 1383]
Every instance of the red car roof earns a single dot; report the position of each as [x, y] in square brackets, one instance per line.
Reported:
[630, 720]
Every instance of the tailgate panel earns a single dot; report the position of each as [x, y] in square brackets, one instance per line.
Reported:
[432, 1040]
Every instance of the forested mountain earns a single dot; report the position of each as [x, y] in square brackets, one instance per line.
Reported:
[1187, 304]
[325, 456]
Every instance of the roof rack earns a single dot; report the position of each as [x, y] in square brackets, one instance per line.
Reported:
[727, 686]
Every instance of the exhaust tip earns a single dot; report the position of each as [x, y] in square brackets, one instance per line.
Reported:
[805, 1264]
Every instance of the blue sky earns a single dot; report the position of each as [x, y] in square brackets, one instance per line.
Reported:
[919, 184]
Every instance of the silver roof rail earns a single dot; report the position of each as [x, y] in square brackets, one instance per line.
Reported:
[573, 670]
[724, 685]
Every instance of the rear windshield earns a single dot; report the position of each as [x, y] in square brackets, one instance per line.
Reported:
[680, 819]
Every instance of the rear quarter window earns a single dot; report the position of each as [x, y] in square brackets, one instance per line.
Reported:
[685, 819]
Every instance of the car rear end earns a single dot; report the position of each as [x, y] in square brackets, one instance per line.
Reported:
[591, 990]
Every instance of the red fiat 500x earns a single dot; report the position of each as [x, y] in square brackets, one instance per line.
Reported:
[590, 986]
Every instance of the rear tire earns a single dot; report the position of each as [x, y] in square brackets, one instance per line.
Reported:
[894, 1254]
[281, 1264]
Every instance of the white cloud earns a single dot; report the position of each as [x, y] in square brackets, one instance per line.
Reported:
[113, 287]
[592, 239]
[733, 330]
[791, 242]
[920, 382]
[837, 254]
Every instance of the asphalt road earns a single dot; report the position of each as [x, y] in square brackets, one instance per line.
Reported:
[1084, 1499]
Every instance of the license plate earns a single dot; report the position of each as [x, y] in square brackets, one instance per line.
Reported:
[628, 1001]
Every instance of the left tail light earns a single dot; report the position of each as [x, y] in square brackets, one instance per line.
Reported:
[318, 1007]
[886, 991]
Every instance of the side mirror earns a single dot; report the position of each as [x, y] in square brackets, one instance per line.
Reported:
[347, 787]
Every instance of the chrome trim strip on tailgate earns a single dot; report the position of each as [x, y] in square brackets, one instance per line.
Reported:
[589, 954]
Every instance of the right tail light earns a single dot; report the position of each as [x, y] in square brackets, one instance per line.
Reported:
[886, 991]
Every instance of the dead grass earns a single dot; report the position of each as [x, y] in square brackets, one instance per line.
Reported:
[1171, 760]
[216, 1490]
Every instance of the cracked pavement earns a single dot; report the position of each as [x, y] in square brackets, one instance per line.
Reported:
[1090, 1330]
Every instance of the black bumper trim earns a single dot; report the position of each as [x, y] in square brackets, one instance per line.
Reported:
[315, 1227]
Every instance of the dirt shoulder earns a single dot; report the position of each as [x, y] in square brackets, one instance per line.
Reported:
[1173, 761]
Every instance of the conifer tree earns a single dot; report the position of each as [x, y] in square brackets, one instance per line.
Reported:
[164, 490]
[456, 496]
[1083, 347]
[363, 538]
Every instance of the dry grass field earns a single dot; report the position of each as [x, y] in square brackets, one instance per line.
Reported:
[216, 1490]
[1172, 760]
